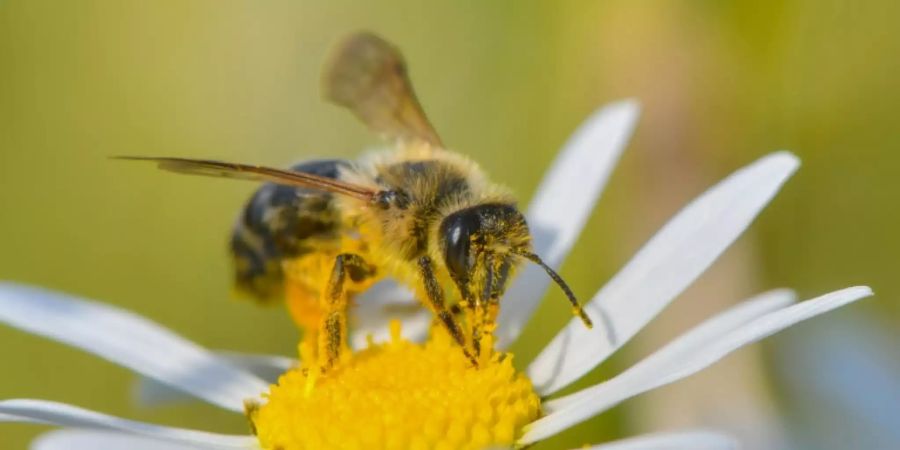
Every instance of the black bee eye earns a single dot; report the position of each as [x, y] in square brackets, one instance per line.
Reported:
[456, 231]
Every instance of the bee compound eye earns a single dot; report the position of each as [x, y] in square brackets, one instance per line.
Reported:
[456, 232]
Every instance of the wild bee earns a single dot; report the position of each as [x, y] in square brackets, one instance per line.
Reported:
[320, 232]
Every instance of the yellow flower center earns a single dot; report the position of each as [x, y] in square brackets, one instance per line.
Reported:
[400, 395]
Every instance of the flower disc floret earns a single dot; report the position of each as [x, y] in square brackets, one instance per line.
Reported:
[400, 395]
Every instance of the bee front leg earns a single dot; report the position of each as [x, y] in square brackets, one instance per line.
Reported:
[333, 329]
[436, 300]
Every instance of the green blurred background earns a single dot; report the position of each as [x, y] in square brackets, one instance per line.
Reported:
[721, 83]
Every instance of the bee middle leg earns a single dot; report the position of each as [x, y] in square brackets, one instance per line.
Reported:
[333, 329]
[436, 299]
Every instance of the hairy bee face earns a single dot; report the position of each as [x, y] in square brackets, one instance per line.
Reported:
[479, 245]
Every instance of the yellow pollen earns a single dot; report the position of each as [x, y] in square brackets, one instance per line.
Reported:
[400, 395]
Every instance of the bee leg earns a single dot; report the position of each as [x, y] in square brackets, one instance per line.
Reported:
[333, 329]
[251, 412]
[436, 300]
[479, 314]
[473, 323]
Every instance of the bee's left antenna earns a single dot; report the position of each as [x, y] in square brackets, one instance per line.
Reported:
[576, 307]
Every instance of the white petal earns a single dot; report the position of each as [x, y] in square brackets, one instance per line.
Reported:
[8, 418]
[661, 270]
[129, 340]
[100, 440]
[679, 440]
[678, 361]
[46, 412]
[707, 331]
[563, 203]
[378, 306]
[267, 367]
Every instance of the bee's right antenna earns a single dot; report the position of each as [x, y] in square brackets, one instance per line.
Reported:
[576, 307]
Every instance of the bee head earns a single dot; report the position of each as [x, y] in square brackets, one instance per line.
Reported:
[482, 244]
[479, 246]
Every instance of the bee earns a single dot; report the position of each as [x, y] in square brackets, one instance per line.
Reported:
[321, 232]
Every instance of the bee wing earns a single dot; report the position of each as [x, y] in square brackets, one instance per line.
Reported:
[368, 76]
[256, 173]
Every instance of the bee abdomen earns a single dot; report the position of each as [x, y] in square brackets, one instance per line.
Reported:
[281, 222]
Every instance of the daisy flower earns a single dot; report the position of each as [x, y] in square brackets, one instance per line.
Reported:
[400, 394]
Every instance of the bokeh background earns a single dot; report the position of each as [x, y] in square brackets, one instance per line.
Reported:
[721, 83]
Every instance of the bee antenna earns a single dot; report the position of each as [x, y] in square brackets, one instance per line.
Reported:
[576, 307]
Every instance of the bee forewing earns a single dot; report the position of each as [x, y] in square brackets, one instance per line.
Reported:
[222, 169]
[368, 75]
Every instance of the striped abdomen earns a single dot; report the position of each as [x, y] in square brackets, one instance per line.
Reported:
[279, 223]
